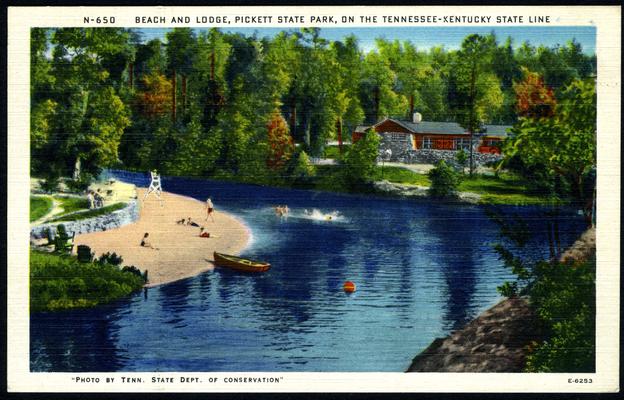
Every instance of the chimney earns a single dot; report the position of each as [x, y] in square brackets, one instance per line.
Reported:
[416, 118]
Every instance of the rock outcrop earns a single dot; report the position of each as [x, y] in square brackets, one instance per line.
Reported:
[493, 342]
[401, 190]
[497, 340]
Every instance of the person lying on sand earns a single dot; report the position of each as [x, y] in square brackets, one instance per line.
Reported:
[190, 222]
[181, 222]
[146, 243]
[203, 233]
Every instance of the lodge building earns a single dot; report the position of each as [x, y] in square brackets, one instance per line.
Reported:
[402, 136]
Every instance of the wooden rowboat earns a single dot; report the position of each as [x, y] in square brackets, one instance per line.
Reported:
[239, 263]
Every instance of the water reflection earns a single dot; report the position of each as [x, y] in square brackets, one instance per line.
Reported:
[454, 249]
[81, 341]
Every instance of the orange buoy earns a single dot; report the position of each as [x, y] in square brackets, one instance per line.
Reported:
[349, 287]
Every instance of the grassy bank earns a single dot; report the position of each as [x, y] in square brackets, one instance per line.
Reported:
[39, 206]
[77, 216]
[72, 204]
[59, 282]
[503, 189]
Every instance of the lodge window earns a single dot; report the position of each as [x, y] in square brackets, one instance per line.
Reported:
[397, 137]
[462, 143]
[426, 143]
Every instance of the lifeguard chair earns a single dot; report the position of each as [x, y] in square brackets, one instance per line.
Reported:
[154, 187]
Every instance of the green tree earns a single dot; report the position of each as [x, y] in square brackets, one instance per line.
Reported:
[562, 145]
[475, 92]
[90, 114]
[106, 120]
[360, 162]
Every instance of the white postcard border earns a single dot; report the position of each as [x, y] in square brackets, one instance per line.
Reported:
[608, 46]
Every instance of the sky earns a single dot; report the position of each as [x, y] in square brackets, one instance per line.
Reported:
[427, 37]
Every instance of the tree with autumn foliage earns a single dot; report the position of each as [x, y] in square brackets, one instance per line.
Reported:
[281, 145]
[555, 139]
[155, 100]
[533, 98]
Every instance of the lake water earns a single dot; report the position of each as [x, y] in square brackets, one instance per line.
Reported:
[422, 269]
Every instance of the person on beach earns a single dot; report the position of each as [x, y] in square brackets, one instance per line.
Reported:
[91, 200]
[99, 200]
[209, 209]
[146, 243]
[203, 233]
[181, 222]
[190, 222]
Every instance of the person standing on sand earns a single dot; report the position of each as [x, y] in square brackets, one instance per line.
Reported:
[209, 209]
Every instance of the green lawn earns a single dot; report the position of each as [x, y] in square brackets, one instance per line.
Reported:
[39, 206]
[90, 213]
[505, 189]
[72, 204]
[333, 152]
[60, 282]
[404, 176]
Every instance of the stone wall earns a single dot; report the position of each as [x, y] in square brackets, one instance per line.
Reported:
[126, 215]
[401, 143]
[428, 156]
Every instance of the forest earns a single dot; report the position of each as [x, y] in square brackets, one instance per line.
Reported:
[216, 104]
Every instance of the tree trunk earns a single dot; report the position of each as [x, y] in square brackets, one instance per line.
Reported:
[293, 119]
[551, 245]
[77, 169]
[306, 134]
[184, 92]
[411, 114]
[131, 75]
[173, 97]
[376, 105]
[339, 124]
[556, 232]
[212, 65]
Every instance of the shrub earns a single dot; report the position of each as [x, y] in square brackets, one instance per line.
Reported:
[461, 157]
[80, 185]
[302, 170]
[444, 180]
[84, 253]
[110, 259]
[50, 184]
[133, 270]
[60, 282]
[564, 298]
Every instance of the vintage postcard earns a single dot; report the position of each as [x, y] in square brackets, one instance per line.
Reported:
[313, 199]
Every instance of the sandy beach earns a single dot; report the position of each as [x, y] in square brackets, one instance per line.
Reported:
[181, 252]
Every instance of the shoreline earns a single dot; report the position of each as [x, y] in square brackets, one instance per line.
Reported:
[498, 339]
[180, 252]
